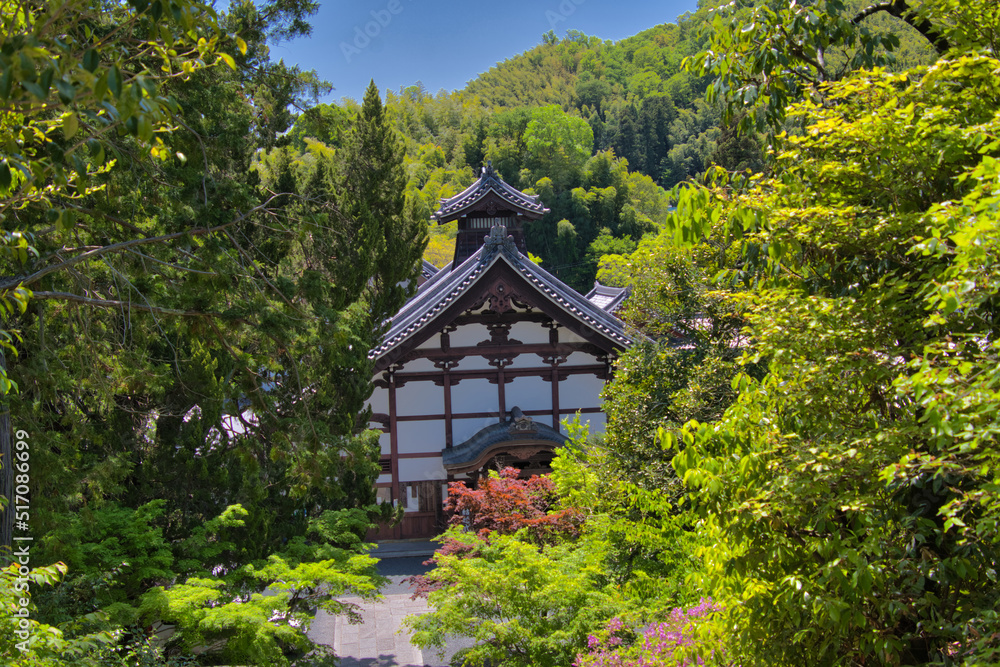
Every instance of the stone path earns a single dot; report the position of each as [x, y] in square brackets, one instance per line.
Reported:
[381, 640]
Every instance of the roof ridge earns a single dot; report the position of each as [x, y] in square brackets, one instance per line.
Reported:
[436, 293]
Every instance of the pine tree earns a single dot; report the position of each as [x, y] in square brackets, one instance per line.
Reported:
[373, 204]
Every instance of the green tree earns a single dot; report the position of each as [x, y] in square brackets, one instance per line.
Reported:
[857, 482]
[522, 605]
[65, 93]
[558, 145]
[192, 367]
[371, 185]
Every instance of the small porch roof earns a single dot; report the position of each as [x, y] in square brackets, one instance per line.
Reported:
[518, 435]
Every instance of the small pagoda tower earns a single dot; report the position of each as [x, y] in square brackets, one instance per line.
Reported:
[484, 204]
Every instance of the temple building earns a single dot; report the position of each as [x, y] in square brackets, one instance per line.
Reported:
[480, 367]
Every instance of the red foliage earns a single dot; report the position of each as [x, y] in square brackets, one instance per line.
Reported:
[506, 504]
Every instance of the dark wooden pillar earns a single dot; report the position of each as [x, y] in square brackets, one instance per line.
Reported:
[501, 393]
[447, 407]
[394, 446]
[555, 396]
[446, 365]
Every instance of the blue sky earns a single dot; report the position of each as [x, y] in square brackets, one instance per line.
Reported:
[445, 43]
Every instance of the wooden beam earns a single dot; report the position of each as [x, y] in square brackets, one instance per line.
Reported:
[600, 370]
[494, 415]
[506, 318]
[435, 454]
[487, 349]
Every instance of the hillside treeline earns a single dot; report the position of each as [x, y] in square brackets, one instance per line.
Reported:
[599, 129]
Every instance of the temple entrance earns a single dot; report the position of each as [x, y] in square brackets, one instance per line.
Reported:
[539, 463]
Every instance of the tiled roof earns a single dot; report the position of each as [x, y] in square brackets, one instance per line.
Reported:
[445, 287]
[489, 181]
[516, 428]
[427, 270]
[608, 298]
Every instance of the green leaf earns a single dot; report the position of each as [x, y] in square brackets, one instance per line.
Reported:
[101, 87]
[91, 60]
[35, 90]
[145, 128]
[115, 81]
[70, 125]
[6, 81]
[67, 91]
[96, 151]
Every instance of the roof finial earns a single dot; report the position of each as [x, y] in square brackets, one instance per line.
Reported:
[488, 170]
[498, 238]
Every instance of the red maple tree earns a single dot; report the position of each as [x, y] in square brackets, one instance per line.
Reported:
[502, 504]
[505, 504]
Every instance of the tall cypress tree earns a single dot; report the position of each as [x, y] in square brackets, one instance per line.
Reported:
[372, 184]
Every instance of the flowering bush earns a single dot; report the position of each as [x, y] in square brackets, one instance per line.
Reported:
[676, 641]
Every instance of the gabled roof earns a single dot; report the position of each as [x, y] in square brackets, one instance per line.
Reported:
[489, 182]
[608, 298]
[450, 292]
[513, 431]
[427, 270]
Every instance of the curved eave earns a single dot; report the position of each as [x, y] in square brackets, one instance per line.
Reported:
[472, 196]
[508, 447]
[498, 438]
[444, 297]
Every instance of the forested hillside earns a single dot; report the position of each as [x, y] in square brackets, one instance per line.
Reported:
[596, 128]
[599, 129]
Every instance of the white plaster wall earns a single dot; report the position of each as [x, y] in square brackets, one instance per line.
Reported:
[420, 437]
[474, 395]
[463, 429]
[419, 398]
[384, 479]
[529, 393]
[579, 359]
[468, 335]
[529, 332]
[432, 343]
[379, 401]
[418, 470]
[527, 361]
[473, 363]
[386, 442]
[580, 391]
[419, 366]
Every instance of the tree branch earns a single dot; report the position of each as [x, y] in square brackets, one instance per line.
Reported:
[902, 10]
[10, 283]
[113, 303]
